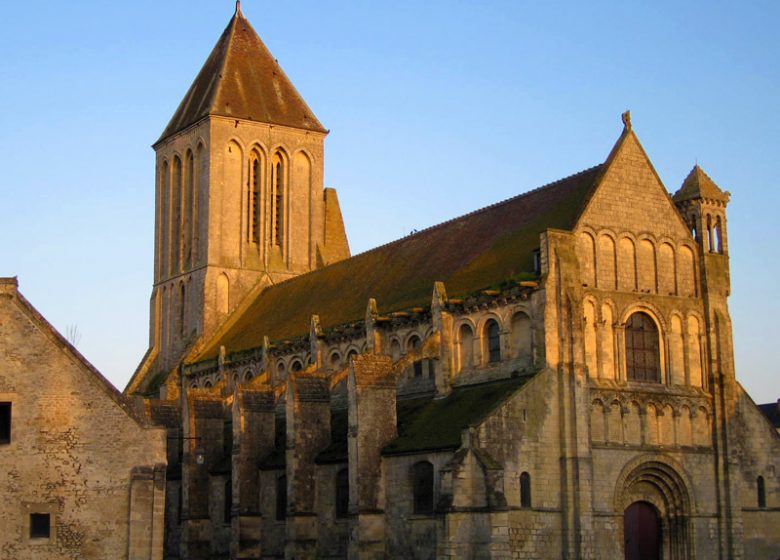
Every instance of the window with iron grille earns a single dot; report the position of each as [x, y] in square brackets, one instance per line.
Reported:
[642, 354]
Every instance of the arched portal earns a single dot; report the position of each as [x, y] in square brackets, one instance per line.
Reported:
[653, 502]
[641, 532]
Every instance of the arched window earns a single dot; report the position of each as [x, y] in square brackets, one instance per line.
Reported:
[176, 222]
[422, 487]
[207, 385]
[277, 200]
[642, 355]
[350, 355]
[223, 293]
[280, 369]
[761, 492]
[466, 349]
[189, 188]
[718, 235]
[165, 221]
[414, 343]
[253, 204]
[342, 494]
[492, 341]
[525, 490]
[521, 335]
[228, 505]
[248, 375]
[395, 350]
[335, 360]
[296, 366]
[281, 498]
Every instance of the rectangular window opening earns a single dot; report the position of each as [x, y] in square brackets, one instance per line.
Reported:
[40, 525]
[5, 422]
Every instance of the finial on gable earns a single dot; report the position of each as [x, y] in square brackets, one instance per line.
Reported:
[626, 117]
[238, 7]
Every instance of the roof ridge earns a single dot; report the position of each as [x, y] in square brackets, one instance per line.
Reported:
[440, 224]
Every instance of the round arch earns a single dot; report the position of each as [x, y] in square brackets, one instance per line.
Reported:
[663, 484]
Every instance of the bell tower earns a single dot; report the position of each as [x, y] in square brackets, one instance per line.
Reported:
[240, 201]
[703, 205]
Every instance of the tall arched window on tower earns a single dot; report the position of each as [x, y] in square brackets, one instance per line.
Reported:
[761, 492]
[176, 217]
[492, 339]
[642, 349]
[277, 200]
[253, 204]
[422, 487]
[165, 221]
[189, 189]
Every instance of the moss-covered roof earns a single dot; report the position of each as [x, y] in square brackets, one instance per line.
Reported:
[469, 253]
[430, 424]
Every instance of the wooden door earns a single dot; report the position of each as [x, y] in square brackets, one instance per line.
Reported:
[641, 532]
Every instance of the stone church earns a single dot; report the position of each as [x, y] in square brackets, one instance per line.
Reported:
[551, 376]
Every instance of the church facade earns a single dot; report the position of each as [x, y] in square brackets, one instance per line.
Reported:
[548, 377]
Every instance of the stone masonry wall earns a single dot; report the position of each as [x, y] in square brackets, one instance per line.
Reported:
[72, 451]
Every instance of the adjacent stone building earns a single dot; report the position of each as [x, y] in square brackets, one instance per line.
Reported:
[82, 474]
[548, 377]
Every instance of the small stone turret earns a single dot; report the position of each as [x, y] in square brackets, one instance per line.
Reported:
[703, 206]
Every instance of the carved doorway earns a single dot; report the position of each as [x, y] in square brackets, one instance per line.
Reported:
[653, 504]
[641, 532]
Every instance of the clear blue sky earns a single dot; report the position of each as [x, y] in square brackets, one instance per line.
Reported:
[436, 108]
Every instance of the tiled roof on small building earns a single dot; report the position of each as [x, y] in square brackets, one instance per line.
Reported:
[699, 185]
[241, 79]
[479, 250]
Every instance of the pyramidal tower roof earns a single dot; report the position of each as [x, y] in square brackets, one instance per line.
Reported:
[241, 79]
[699, 185]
